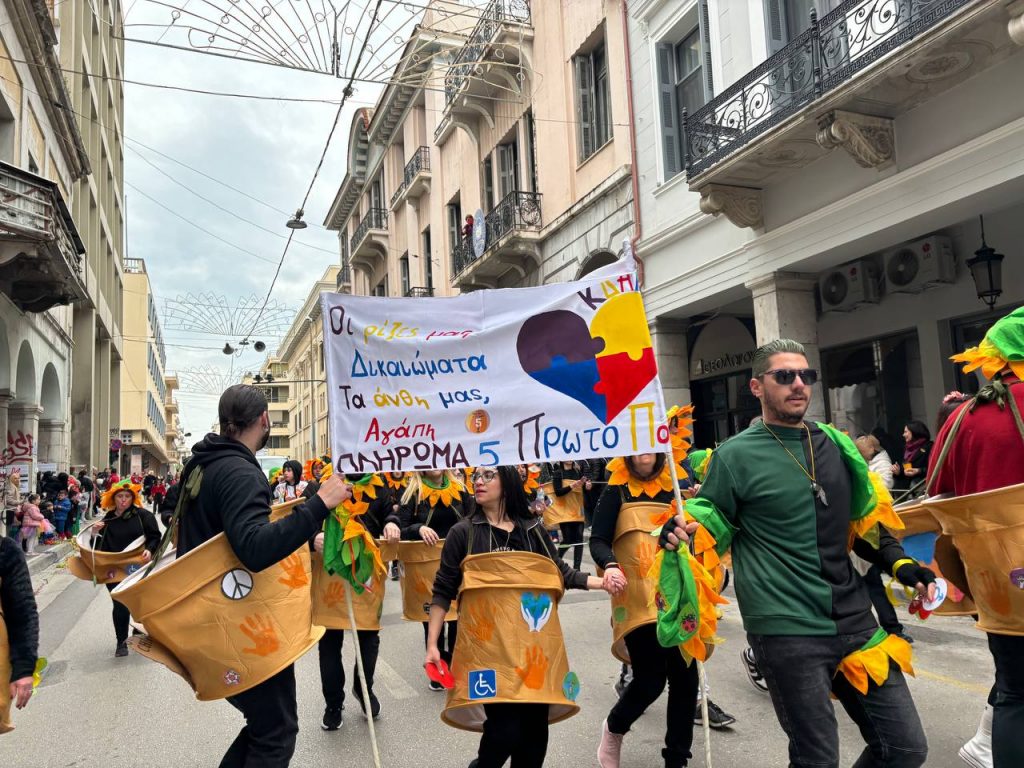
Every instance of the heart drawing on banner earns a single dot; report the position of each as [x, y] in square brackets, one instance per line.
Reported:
[603, 366]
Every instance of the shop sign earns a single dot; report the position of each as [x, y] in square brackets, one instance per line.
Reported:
[724, 346]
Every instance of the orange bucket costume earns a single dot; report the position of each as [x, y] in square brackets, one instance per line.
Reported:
[104, 567]
[419, 564]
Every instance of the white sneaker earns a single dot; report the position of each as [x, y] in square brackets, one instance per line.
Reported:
[610, 748]
[977, 752]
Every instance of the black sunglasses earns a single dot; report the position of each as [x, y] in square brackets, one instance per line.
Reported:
[786, 376]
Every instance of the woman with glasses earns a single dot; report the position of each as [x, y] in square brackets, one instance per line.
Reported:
[513, 677]
[431, 505]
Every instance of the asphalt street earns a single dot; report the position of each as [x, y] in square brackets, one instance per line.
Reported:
[95, 710]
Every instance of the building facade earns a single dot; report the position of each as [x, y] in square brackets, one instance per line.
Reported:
[302, 356]
[272, 378]
[512, 169]
[825, 177]
[42, 272]
[92, 58]
[145, 427]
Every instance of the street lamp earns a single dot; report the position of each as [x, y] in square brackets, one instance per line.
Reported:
[987, 270]
[296, 222]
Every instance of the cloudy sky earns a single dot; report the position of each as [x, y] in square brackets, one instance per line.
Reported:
[183, 147]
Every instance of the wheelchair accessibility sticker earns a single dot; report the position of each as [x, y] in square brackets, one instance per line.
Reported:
[483, 684]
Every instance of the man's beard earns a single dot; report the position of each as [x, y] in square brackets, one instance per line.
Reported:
[776, 412]
[265, 440]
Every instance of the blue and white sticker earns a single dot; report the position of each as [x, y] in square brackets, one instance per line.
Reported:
[483, 684]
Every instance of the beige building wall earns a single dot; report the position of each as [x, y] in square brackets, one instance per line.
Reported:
[41, 156]
[144, 394]
[551, 215]
[92, 56]
[274, 381]
[302, 352]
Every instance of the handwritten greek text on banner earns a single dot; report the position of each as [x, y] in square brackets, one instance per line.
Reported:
[510, 376]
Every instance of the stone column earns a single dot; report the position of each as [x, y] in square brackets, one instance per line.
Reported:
[23, 426]
[670, 350]
[5, 401]
[784, 309]
[51, 442]
[82, 383]
[101, 400]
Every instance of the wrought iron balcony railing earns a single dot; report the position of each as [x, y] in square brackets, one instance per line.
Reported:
[418, 292]
[33, 210]
[344, 276]
[497, 13]
[516, 211]
[419, 162]
[375, 218]
[833, 50]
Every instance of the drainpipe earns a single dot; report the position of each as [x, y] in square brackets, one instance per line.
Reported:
[637, 227]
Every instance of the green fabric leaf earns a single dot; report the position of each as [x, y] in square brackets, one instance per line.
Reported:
[707, 514]
[332, 545]
[676, 600]
[863, 498]
[1007, 335]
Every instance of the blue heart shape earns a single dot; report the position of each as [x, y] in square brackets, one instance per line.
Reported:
[536, 609]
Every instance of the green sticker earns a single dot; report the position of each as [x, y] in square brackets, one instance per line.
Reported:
[619, 614]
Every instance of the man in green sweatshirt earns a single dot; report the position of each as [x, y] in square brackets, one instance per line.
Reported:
[788, 497]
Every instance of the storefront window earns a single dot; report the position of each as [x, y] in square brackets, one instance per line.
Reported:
[724, 406]
[875, 387]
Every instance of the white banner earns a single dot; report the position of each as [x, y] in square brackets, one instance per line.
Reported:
[493, 377]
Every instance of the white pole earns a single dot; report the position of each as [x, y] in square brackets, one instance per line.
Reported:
[362, 674]
[701, 673]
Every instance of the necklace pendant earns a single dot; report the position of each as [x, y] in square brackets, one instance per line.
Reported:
[818, 491]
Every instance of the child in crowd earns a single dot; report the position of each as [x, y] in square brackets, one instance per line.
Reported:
[49, 525]
[61, 513]
[31, 519]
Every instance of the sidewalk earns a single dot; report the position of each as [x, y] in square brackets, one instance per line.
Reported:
[47, 555]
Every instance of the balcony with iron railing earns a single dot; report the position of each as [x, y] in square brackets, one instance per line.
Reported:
[369, 244]
[344, 280]
[41, 262]
[419, 292]
[498, 39]
[511, 234]
[881, 57]
[415, 178]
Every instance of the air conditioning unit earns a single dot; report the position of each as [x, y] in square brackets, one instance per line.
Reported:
[912, 267]
[843, 288]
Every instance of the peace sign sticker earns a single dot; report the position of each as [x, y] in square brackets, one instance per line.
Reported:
[236, 584]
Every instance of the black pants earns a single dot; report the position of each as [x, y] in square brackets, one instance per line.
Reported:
[880, 601]
[572, 533]
[121, 618]
[446, 641]
[653, 666]
[332, 670]
[517, 731]
[801, 673]
[1008, 707]
[271, 724]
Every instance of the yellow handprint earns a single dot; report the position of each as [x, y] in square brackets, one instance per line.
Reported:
[478, 624]
[996, 592]
[261, 632]
[334, 594]
[295, 572]
[536, 668]
[646, 552]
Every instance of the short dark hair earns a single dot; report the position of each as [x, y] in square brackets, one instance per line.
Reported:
[239, 408]
[763, 354]
[949, 405]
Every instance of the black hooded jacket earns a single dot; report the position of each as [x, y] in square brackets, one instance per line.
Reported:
[234, 498]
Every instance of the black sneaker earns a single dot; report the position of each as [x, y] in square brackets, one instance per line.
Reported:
[435, 686]
[394, 570]
[717, 717]
[753, 673]
[332, 719]
[121, 650]
[357, 691]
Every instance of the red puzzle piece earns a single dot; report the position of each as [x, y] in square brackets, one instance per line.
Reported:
[622, 379]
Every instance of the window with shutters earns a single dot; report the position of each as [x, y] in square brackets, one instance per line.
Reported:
[428, 259]
[403, 266]
[454, 223]
[685, 84]
[593, 101]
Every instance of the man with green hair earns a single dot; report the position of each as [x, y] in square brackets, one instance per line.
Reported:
[788, 497]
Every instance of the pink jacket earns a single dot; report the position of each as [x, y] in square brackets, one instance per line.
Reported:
[31, 517]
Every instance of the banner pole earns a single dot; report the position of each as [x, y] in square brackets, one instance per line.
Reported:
[362, 674]
[702, 678]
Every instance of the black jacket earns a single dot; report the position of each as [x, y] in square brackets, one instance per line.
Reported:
[169, 503]
[119, 532]
[234, 498]
[20, 613]
[414, 516]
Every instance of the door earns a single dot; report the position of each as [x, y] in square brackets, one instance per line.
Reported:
[508, 169]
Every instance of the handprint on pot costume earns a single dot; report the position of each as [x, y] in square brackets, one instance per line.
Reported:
[259, 630]
[536, 668]
[334, 594]
[478, 625]
[295, 572]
